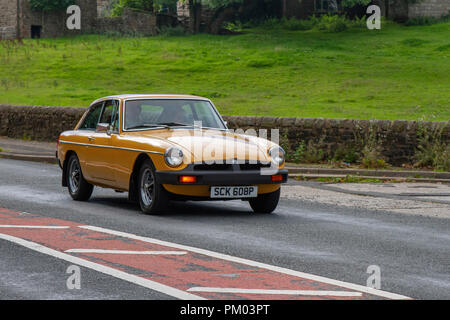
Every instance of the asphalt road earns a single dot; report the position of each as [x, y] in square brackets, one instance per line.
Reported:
[413, 252]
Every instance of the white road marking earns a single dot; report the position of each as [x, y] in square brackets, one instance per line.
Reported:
[275, 292]
[217, 255]
[103, 269]
[32, 227]
[125, 252]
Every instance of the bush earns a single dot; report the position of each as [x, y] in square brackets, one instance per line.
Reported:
[295, 24]
[177, 31]
[432, 150]
[271, 23]
[347, 154]
[426, 21]
[421, 21]
[331, 23]
[312, 152]
[369, 141]
[234, 27]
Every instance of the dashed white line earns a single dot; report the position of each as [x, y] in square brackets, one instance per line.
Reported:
[125, 252]
[277, 292]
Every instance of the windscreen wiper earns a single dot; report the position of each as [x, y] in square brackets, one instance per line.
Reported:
[178, 124]
[148, 126]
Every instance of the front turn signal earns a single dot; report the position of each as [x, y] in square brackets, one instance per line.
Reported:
[188, 179]
[277, 177]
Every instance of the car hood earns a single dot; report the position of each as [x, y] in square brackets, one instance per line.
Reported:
[214, 145]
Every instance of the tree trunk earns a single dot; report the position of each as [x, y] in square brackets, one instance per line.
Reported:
[194, 16]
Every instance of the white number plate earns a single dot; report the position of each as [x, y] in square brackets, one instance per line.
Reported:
[234, 192]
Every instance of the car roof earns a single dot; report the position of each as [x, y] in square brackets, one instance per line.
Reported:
[150, 96]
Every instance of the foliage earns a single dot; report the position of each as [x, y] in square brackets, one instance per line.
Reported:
[426, 21]
[50, 5]
[352, 3]
[160, 5]
[284, 143]
[311, 152]
[432, 149]
[346, 153]
[234, 27]
[369, 140]
[144, 5]
[325, 23]
[177, 31]
[215, 4]
[330, 23]
[296, 24]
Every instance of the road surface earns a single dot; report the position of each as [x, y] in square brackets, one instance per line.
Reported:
[212, 250]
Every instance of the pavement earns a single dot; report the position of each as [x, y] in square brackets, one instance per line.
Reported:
[319, 244]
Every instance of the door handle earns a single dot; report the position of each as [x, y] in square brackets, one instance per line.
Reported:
[91, 139]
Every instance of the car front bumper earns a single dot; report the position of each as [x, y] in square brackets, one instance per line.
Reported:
[221, 177]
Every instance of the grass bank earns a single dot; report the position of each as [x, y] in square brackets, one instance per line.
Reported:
[395, 73]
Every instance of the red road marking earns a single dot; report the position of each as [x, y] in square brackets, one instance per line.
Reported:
[181, 272]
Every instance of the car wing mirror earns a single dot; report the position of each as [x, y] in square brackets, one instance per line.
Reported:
[104, 127]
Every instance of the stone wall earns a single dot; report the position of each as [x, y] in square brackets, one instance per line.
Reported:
[400, 10]
[131, 22]
[54, 23]
[8, 20]
[429, 8]
[398, 138]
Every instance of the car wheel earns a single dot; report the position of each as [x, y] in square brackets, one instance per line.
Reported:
[79, 188]
[153, 198]
[265, 203]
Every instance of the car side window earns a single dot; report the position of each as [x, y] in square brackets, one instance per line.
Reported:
[110, 114]
[91, 120]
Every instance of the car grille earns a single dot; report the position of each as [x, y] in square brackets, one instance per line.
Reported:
[230, 167]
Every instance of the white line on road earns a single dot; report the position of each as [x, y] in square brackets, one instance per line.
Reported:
[103, 269]
[217, 255]
[32, 227]
[276, 292]
[125, 252]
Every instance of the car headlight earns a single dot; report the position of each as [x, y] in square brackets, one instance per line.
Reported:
[173, 157]
[277, 154]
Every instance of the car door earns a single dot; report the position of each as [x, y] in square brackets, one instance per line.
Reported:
[101, 160]
[84, 136]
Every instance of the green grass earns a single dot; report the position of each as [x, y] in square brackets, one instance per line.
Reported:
[395, 73]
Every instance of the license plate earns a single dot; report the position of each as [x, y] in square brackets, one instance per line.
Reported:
[234, 192]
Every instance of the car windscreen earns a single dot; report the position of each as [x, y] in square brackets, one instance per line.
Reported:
[148, 113]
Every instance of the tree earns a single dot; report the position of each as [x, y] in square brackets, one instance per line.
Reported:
[50, 5]
[144, 5]
[352, 3]
[195, 7]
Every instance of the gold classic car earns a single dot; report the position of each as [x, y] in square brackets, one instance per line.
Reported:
[168, 147]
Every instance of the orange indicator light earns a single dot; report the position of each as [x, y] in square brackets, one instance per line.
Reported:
[188, 179]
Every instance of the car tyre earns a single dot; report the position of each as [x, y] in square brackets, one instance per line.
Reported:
[265, 203]
[79, 188]
[153, 198]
